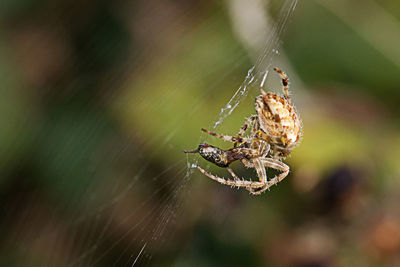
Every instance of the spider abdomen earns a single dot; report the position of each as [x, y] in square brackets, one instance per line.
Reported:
[279, 120]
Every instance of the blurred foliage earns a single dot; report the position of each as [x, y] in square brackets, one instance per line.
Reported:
[99, 98]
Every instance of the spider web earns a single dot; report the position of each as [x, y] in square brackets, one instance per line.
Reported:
[149, 225]
[255, 75]
[141, 237]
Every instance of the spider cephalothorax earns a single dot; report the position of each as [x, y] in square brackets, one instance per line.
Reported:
[275, 130]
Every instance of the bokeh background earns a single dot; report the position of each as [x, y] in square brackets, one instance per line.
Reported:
[99, 98]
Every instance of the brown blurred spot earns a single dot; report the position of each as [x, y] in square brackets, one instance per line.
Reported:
[383, 238]
[40, 52]
[308, 245]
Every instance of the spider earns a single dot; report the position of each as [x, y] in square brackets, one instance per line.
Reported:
[275, 131]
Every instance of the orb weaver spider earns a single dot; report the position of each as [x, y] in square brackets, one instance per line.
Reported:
[275, 131]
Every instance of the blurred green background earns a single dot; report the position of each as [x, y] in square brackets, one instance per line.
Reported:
[99, 98]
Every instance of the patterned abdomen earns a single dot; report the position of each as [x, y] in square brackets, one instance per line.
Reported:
[278, 119]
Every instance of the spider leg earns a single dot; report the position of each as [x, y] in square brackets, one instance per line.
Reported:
[259, 148]
[262, 175]
[275, 164]
[244, 128]
[285, 83]
[260, 169]
[220, 136]
[264, 148]
[244, 183]
[234, 183]
[235, 177]
[233, 139]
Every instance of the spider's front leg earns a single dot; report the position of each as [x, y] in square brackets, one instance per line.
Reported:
[233, 139]
[226, 138]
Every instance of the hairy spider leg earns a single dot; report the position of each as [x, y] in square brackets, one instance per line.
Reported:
[244, 128]
[264, 148]
[258, 147]
[259, 163]
[233, 139]
[226, 138]
[234, 183]
[275, 164]
[285, 83]
[255, 188]
[252, 184]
